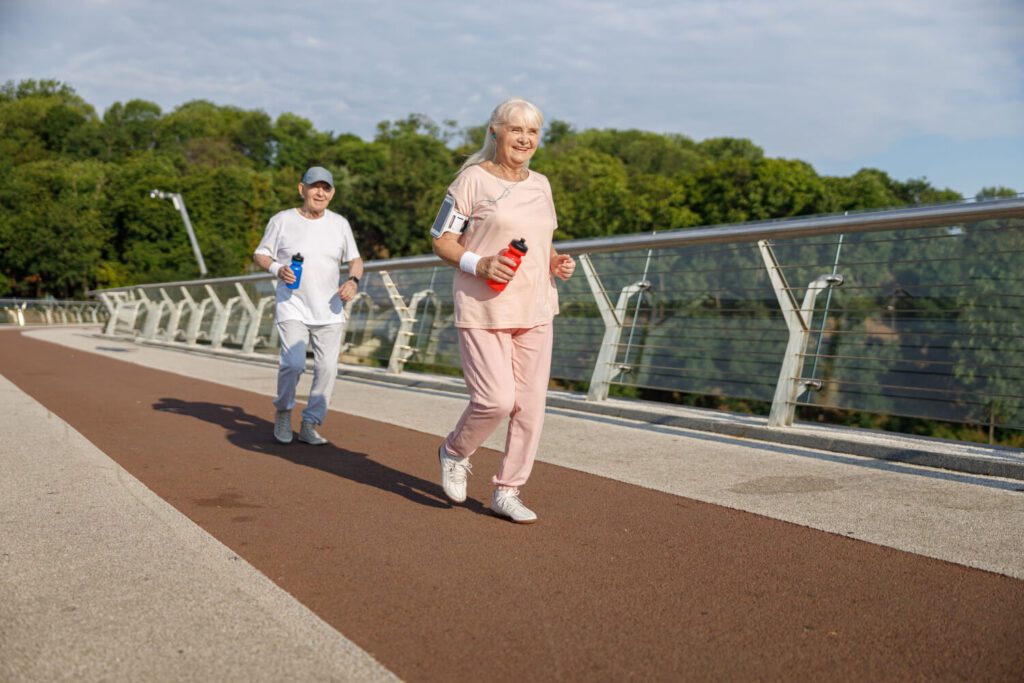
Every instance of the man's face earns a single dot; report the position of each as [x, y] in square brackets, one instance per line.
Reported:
[317, 196]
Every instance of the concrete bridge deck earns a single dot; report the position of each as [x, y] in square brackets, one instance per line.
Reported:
[151, 529]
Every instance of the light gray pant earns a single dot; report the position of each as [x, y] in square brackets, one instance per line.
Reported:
[325, 340]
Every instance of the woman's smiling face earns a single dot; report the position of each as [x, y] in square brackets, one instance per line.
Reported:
[517, 139]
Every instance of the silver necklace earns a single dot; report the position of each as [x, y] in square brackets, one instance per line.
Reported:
[507, 188]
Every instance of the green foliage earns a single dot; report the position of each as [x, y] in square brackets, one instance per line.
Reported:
[74, 186]
[737, 189]
[591, 190]
[393, 186]
[995, 193]
[38, 118]
[52, 231]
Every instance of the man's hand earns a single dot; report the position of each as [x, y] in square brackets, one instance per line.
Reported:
[562, 266]
[286, 275]
[348, 290]
[498, 268]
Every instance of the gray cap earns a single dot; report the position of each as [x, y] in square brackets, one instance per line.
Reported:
[317, 174]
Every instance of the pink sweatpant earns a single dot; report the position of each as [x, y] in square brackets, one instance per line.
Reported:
[507, 374]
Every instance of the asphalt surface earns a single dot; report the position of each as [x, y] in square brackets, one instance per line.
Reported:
[616, 581]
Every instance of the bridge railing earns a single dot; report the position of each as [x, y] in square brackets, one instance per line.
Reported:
[912, 313]
[24, 312]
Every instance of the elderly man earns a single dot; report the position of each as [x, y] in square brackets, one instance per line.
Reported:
[313, 313]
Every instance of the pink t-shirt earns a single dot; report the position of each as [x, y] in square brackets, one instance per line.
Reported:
[500, 212]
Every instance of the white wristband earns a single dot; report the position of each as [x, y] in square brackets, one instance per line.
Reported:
[274, 267]
[468, 262]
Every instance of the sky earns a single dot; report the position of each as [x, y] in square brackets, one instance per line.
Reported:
[917, 88]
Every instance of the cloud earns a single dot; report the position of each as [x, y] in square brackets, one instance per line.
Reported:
[819, 81]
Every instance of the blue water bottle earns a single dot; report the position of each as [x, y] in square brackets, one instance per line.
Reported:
[296, 266]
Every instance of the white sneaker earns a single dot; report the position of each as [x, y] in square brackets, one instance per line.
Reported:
[454, 474]
[309, 434]
[283, 426]
[505, 502]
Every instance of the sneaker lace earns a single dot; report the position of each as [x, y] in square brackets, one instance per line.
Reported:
[459, 471]
[511, 500]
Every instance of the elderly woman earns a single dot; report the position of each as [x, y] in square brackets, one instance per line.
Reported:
[505, 334]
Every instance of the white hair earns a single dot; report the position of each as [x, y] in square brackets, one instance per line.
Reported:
[501, 115]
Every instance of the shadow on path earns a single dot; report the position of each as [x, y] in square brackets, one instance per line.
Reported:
[256, 434]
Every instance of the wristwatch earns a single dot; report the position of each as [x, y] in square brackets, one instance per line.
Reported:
[353, 278]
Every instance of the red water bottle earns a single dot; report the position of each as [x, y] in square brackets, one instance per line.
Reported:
[516, 250]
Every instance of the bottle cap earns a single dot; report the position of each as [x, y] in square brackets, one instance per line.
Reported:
[519, 244]
[297, 257]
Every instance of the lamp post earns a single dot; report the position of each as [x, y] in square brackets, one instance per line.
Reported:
[179, 204]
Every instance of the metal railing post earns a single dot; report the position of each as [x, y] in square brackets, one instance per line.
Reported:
[254, 330]
[187, 302]
[154, 309]
[605, 367]
[220, 318]
[195, 320]
[113, 306]
[436, 324]
[173, 317]
[272, 340]
[402, 351]
[247, 330]
[798, 321]
[133, 314]
[350, 307]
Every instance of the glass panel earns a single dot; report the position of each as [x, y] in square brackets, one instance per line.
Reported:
[708, 324]
[928, 324]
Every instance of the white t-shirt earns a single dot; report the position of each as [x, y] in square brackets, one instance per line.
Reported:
[325, 243]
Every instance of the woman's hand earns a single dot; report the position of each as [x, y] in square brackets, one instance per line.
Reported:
[562, 266]
[498, 268]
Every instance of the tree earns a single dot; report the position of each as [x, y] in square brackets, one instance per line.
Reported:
[591, 191]
[556, 132]
[37, 118]
[396, 186]
[995, 193]
[296, 143]
[737, 189]
[130, 128]
[52, 232]
[237, 167]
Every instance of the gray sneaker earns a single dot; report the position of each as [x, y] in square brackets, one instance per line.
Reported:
[506, 503]
[308, 434]
[454, 474]
[283, 426]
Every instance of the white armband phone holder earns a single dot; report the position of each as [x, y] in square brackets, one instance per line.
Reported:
[448, 219]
